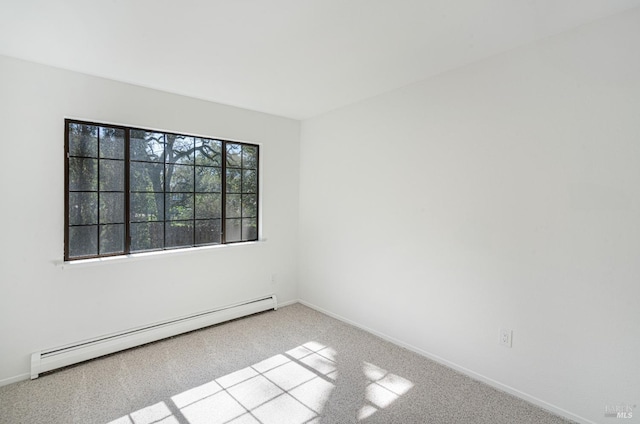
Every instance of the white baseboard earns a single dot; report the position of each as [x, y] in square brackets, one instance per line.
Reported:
[16, 379]
[466, 371]
[287, 303]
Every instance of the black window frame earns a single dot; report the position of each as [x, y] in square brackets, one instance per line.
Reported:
[225, 214]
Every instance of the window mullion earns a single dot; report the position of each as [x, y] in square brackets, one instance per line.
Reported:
[164, 191]
[241, 191]
[127, 192]
[223, 192]
[193, 229]
[98, 193]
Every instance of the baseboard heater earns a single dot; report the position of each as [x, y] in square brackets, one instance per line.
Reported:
[63, 356]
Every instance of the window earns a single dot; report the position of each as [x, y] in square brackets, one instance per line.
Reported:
[136, 190]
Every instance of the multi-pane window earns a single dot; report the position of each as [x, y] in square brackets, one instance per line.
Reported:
[133, 190]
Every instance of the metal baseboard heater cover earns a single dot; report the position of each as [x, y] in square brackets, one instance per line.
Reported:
[63, 356]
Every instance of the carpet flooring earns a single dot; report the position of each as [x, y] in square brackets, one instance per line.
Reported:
[294, 365]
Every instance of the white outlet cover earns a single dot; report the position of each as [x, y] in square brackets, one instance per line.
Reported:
[506, 337]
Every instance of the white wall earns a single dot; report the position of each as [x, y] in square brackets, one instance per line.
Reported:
[502, 194]
[44, 305]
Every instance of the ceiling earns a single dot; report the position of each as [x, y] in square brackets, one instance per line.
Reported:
[294, 58]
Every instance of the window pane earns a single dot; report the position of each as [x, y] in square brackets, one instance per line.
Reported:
[83, 241]
[112, 239]
[179, 178]
[83, 140]
[146, 146]
[249, 181]
[233, 206]
[179, 206]
[147, 176]
[234, 180]
[208, 206]
[234, 155]
[111, 143]
[179, 234]
[208, 232]
[111, 208]
[83, 174]
[233, 230]
[147, 207]
[111, 175]
[147, 236]
[249, 206]
[249, 157]
[83, 208]
[208, 152]
[208, 179]
[249, 229]
[179, 149]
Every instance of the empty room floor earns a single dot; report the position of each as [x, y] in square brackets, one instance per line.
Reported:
[294, 365]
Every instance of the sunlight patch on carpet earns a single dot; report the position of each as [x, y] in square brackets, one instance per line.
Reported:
[288, 388]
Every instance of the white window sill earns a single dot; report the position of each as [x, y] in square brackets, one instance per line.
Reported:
[81, 263]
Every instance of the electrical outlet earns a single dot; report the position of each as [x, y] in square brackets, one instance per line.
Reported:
[506, 337]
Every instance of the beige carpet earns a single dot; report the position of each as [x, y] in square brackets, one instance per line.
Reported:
[294, 365]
